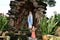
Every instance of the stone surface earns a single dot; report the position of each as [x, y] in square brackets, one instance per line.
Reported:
[29, 38]
[22, 8]
[57, 32]
[5, 37]
[52, 37]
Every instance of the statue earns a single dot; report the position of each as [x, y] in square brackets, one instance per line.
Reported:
[30, 20]
[33, 35]
[33, 32]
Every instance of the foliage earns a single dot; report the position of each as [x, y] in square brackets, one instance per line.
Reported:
[24, 29]
[47, 26]
[49, 2]
[51, 24]
[43, 25]
[25, 33]
[57, 18]
[3, 23]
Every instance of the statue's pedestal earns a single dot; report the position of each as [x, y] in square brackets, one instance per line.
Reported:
[29, 38]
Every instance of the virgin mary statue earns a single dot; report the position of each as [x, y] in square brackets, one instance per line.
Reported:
[30, 19]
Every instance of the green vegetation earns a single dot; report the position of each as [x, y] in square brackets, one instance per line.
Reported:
[57, 18]
[49, 2]
[3, 23]
[47, 26]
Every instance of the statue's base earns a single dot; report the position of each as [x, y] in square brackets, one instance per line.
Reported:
[29, 38]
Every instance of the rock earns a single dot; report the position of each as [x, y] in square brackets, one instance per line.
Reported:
[29, 38]
[52, 37]
[57, 32]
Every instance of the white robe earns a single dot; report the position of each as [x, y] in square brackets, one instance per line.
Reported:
[30, 20]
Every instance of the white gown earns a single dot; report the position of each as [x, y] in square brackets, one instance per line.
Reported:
[30, 20]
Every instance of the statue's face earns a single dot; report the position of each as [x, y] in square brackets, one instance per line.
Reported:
[30, 13]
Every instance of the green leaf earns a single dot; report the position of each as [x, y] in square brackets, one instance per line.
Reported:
[47, 26]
